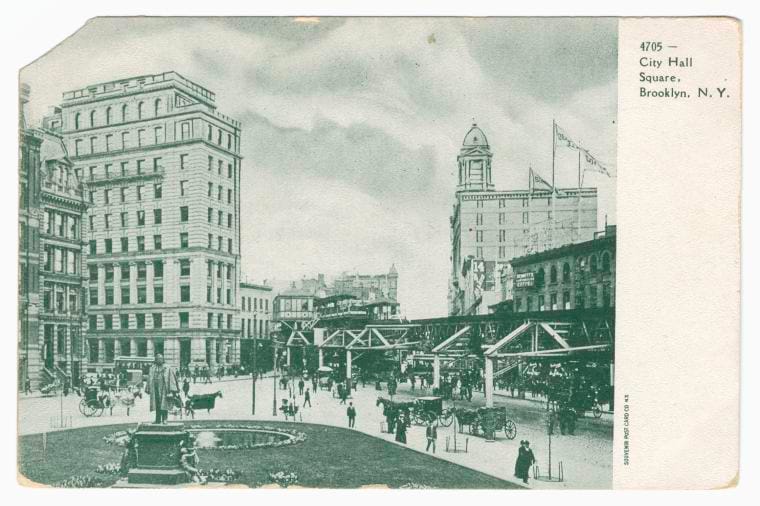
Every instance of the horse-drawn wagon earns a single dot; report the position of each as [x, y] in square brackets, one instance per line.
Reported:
[482, 421]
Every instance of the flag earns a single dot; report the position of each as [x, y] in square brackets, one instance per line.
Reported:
[535, 179]
[563, 139]
[594, 165]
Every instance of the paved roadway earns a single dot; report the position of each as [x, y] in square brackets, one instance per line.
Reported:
[586, 456]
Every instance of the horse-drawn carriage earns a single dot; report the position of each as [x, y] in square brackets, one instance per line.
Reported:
[192, 404]
[419, 411]
[95, 400]
[483, 421]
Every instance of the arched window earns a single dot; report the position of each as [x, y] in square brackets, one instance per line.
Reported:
[108, 116]
[92, 118]
[553, 274]
[592, 261]
[157, 107]
[140, 107]
[77, 120]
[566, 273]
[540, 277]
[606, 262]
[124, 113]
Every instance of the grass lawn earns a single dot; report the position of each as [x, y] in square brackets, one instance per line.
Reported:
[330, 457]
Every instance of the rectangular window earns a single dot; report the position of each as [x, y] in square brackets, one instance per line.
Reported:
[220, 240]
[525, 218]
[220, 218]
[109, 296]
[184, 214]
[553, 301]
[502, 251]
[479, 252]
[220, 165]
[158, 269]
[157, 242]
[158, 191]
[229, 170]
[125, 295]
[92, 223]
[541, 306]
[141, 137]
[158, 135]
[158, 320]
[208, 293]
[229, 296]
[220, 321]
[182, 161]
[184, 293]
[107, 196]
[478, 236]
[210, 162]
[157, 216]
[229, 220]
[182, 188]
[107, 221]
[479, 218]
[218, 295]
[210, 189]
[142, 296]
[158, 294]
[124, 166]
[139, 192]
[93, 247]
[140, 243]
[502, 235]
[185, 130]
[502, 218]
[140, 166]
[210, 320]
[229, 245]
[124, 220]
[140, 218]
[210, 215]
[123, 194]
[93, 144]
[124, 140]
[210, 241]
[183, 240]
[229, 196]
[142, 271]
[124, 321]
[93, 297]
[91, 197]
[219, 193]
[108, 322]
[184, 320]
[109, 245]
[229, 321]
[140, 320]
[184, 267]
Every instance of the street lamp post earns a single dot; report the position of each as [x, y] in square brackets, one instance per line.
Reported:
[274, 379]
[253, 379]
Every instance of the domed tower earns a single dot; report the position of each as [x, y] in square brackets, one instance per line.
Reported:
[474, 162]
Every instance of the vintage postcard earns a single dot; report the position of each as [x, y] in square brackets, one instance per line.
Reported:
[416, 253]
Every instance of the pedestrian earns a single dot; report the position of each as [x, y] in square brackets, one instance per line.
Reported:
[431, 432]
[401, 428]
[28, 386]
[307, 398]
[351, 412]
[186, 387]
[412, 380]
[342, 393]
[301, 384]
[314, 383]
[525, 459]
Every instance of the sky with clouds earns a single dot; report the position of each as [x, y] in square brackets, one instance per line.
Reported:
[351, 126]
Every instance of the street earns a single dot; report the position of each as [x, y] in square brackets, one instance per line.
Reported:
[586, 456]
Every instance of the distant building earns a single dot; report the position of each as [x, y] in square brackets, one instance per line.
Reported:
[162, 172]
[489, 227]
[294, 309]
[256, 307]
[576, 276]
[367, 287]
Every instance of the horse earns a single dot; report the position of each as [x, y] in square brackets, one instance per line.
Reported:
[203, 401]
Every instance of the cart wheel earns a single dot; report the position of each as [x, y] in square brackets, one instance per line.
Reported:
[597, 410]
[510, 429]
[83, 407]
[446, 418]
[99, 411]
[89, 408]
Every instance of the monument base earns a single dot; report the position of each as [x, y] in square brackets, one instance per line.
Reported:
[157, 451]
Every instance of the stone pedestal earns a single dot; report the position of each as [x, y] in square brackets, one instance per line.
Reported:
[158, 455]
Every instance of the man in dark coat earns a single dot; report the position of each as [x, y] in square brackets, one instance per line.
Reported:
[162, 384]
[401, 428]
[525, 460]
[351, 413]
[301, 384]
[431, 433]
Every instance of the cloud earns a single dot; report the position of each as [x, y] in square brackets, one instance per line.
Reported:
[351, 126]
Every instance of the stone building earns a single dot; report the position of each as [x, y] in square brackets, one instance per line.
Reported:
[490, 227]
[367, 287]
[161, 168]
[576, 276]
[256, 307]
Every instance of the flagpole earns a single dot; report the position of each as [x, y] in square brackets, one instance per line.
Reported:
[579, 196]
[554, 211]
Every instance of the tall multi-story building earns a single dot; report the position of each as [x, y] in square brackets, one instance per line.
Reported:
[29, 248]
[161, 168]
[489, 227]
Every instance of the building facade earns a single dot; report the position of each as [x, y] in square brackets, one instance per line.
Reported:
[161, 168]
[256, 306]
[488, 228]
[367, 287]
[576, 276]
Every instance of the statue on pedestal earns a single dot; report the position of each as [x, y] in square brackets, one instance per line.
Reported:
[162, 384]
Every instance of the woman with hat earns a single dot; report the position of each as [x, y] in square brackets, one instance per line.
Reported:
[525, 460]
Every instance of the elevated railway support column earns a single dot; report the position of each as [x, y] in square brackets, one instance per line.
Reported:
[488, 382]
[436, 371]
[321, 357]
[288, 356]
[348, 366]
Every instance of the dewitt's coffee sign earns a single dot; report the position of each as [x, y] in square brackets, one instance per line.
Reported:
[524, 280]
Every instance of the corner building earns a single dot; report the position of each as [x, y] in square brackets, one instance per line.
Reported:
[161, 168]
[488, 228]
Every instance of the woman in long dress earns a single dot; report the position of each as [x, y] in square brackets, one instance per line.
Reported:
[525, 460]
[401, 428]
